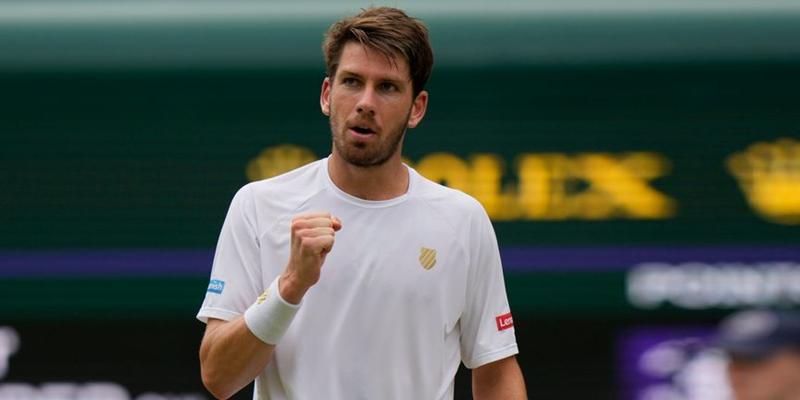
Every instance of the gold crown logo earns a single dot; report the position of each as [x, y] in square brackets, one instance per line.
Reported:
[769, 175]
[276, 160]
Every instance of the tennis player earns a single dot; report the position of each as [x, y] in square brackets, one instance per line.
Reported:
[354, 277]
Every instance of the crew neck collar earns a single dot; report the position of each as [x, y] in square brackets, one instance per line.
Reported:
[363, 202]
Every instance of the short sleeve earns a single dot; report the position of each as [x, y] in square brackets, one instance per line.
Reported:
[235, 275]
[487, 330]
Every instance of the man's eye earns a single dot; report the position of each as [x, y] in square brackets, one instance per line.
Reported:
[388, 87]
[349, 81]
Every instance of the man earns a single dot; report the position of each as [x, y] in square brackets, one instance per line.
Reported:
[764, 351]
[378, 282]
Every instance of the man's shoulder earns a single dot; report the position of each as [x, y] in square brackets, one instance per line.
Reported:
[285, 191]
[302, 177]
[450, 201]
[463, 213]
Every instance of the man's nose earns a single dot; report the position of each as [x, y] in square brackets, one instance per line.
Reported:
[366, 102]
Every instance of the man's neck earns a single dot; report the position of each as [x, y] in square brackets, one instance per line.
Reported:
[382, 182]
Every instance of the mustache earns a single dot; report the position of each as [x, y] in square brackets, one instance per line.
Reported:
[362, 117]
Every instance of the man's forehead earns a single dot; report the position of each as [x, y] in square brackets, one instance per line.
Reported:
[359, 59]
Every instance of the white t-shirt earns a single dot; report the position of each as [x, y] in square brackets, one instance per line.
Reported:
[413, 286]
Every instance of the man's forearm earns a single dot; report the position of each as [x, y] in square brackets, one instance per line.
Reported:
[231, 357]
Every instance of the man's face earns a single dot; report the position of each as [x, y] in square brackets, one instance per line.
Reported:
[774, 378]
[370, 103]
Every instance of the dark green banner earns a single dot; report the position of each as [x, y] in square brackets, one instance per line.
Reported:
[686, 153]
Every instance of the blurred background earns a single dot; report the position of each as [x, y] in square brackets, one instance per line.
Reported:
[640, 161]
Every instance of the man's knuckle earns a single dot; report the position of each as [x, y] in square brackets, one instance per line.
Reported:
[322, 222]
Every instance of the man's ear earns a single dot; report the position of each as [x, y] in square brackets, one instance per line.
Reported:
[325, 96]
[418, 109]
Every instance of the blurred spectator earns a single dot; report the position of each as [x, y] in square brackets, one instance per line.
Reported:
[764, 351]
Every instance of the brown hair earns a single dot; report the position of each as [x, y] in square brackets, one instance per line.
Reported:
[389, 31]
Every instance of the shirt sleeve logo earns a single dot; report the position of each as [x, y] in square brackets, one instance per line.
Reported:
[216, 286]
[504, 322]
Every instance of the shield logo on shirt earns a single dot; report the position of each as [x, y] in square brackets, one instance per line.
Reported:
[427, 257]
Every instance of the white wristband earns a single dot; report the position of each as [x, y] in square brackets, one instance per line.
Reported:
[270, 316]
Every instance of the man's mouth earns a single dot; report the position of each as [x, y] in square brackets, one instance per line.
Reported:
[362, 130]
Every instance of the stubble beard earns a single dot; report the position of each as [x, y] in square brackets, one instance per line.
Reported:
[358, 154]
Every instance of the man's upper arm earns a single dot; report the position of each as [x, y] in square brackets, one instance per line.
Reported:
[487, 332]
[501, 379]
[235, 275]
[212, 325]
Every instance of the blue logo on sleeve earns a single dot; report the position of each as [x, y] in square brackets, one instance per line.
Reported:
[216, 286]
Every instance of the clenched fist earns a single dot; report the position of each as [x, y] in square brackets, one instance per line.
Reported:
[312, 239]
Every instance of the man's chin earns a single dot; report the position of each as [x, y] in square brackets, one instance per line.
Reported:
[364, 162]
[359, 158]
[364, 155]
